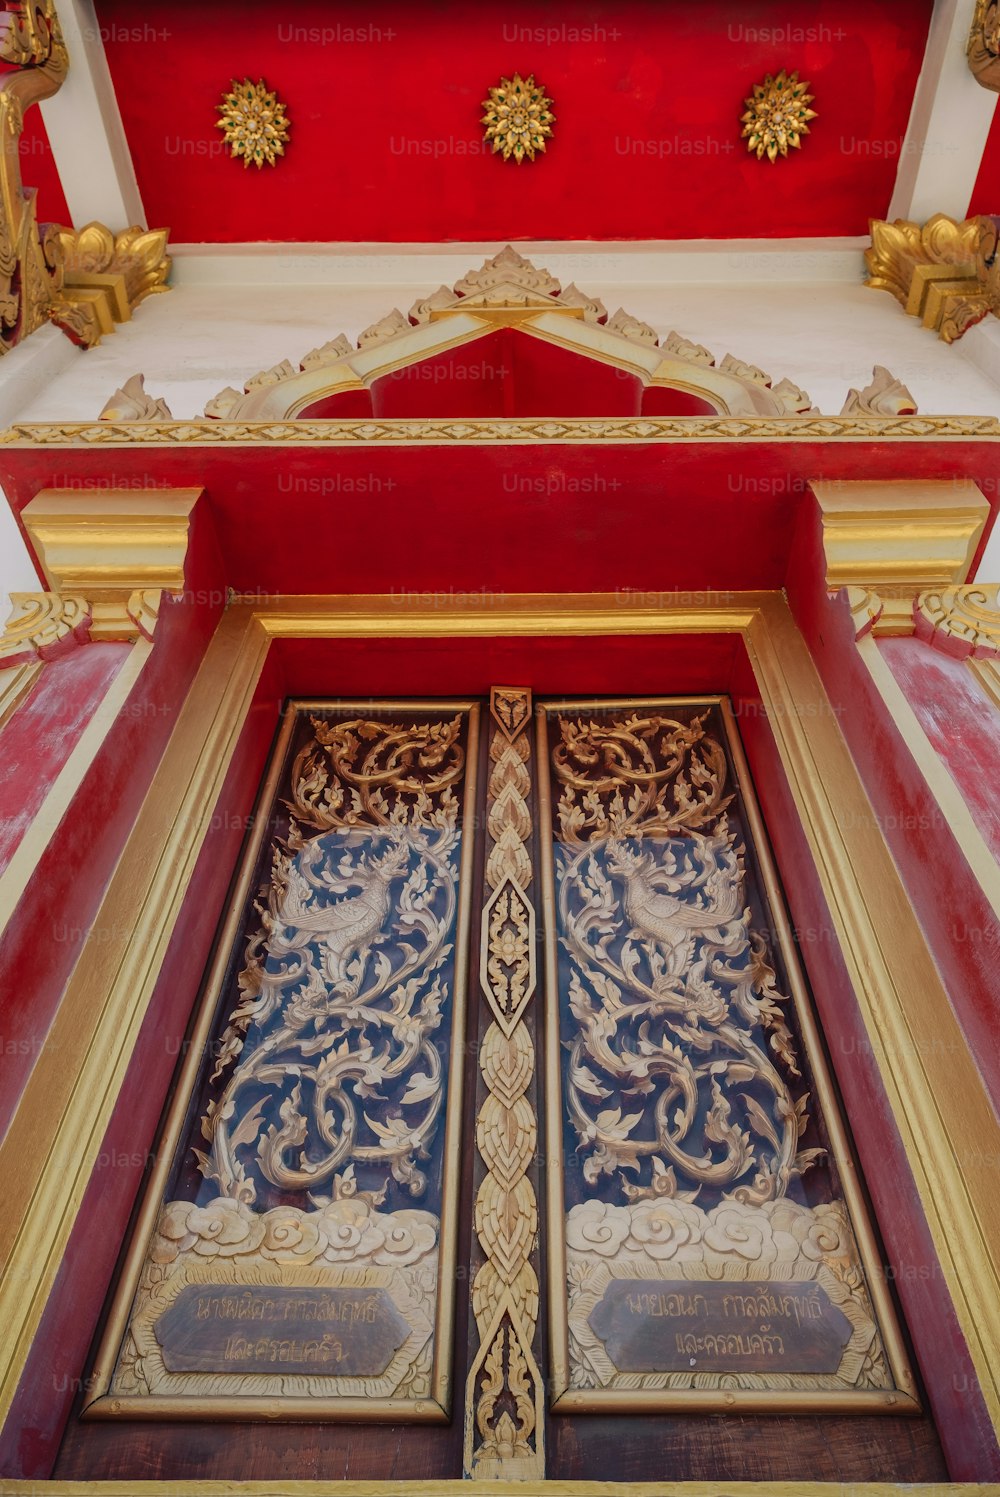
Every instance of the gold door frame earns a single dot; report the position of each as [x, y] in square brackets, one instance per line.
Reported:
[934, 1090]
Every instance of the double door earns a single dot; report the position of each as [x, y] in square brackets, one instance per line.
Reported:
[504, 1122]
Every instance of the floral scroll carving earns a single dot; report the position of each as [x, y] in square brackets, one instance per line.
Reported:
[704, 1249]
[324, 1121]
[669, 984]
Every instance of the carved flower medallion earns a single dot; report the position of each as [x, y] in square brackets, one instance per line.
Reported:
[254, 122]
[777, 115]
[518, 119]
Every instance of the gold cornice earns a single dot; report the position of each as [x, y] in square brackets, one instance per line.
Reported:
[545, 430]
[118, 551]
[899, 539]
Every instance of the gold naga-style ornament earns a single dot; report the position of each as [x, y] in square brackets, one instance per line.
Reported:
[518, 119]
[254, 122]
[777, 115]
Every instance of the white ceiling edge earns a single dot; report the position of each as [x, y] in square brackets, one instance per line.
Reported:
[674, 261]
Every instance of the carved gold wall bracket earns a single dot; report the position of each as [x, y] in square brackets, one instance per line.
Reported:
[504, 1404]
[86, 280]
[961, 621]
[942, 272]
[983, 48]
[41, 626]
[100, 277]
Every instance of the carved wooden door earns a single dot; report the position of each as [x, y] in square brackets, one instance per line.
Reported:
[505, 1123]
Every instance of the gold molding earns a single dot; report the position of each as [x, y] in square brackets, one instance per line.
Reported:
[204, 1487]
[16, 682]
[118, 550]
[987, 673]
[513, 432]
[899, 539]
[936, 271]
[935, 1090]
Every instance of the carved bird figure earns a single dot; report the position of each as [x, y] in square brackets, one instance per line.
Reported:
[343, 929]
[690, 891]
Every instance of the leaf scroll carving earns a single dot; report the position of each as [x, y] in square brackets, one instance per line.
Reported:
[345, 981]
[681, 1068]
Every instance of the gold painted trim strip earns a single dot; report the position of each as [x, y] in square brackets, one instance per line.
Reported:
[948, 1128]
[27, 855]
[987, 673]
[16, 682]
[196, 1487]
[509, 432]
[49, 1151]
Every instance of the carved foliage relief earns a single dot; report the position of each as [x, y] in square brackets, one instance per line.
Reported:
[299, 1247]
[704, 1237]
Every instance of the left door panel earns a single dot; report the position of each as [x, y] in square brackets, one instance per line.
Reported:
[297, 1242]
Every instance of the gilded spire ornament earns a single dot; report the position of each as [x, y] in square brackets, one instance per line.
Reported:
[777, 115]
[518, 119]
[254, 122]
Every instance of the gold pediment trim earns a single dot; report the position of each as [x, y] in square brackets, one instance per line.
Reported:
[509, 291]
[547, 430]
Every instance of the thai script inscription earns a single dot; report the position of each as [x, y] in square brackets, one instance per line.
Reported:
[659, 1326]
[758, 1303]
[250, 1306]
[329, 1332]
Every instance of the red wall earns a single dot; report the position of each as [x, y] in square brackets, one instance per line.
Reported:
[385, 102]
